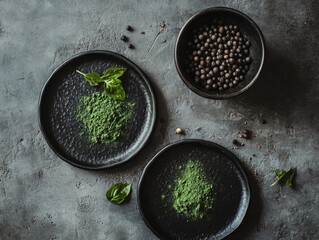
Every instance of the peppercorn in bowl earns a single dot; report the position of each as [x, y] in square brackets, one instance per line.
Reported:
[219, 53]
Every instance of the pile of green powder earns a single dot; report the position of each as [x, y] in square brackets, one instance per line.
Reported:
[192, 194]
[103, 117]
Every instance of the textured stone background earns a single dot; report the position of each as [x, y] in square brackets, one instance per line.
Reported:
[43, 197]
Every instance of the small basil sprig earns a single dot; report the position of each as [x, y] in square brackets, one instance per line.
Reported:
[112, 84]
[118, 192]
[284, 176]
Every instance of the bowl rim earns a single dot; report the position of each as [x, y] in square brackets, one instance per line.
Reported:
[219, 96]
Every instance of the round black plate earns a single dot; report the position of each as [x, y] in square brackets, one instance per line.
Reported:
[59, 99]
[231, 191]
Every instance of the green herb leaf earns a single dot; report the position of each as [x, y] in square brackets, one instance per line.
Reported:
[291, 174]
[92, 78]
[112, 84]
[115, 89]
[284, 176]
[118, 192]
[113, 73]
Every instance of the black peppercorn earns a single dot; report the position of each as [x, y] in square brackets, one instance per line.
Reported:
[131, 46]
[129, 28]
[215, 69]
[124, 38]
[218, 56]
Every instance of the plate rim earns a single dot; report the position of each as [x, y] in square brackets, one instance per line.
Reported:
[233, 158]
[66, 62]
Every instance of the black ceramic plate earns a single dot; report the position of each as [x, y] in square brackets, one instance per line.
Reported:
[230, 196]
[57, 107]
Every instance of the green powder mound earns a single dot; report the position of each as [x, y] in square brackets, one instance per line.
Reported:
[192, 194]
[103, 117]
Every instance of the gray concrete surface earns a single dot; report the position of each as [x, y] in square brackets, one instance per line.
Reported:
[42, 197]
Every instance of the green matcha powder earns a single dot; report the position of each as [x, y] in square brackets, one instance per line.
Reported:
[192, 194]
[103, 118]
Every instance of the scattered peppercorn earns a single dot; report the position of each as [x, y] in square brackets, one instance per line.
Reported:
[124, 38]
[246, 134]
[218, 56]
[131, 46]
[179, 131]
[263, 121]
[142, 32]
[235, 141]
[129, 28]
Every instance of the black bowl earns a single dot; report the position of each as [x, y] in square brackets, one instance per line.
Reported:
[228, 16]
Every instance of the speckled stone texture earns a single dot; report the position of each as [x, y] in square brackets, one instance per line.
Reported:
[42, 197]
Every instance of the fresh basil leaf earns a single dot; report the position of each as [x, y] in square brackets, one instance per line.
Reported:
[291, 174]
[115, 90]
[284, 176]
[113, 85]
[93, 78]
[118, 192]
[114, 73]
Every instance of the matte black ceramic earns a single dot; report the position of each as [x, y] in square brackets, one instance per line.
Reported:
[230, 196]
[229, 16]
[57, 108]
